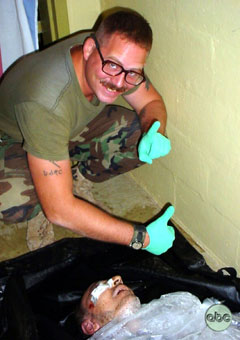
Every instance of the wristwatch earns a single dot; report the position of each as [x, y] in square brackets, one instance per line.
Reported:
[138, 236]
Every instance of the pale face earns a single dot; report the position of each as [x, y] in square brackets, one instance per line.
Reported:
[117, 49]
[115, 301]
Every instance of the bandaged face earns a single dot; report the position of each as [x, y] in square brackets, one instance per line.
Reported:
[110, 299]
[100, 288]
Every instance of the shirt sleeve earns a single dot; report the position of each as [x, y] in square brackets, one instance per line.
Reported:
[45, 135]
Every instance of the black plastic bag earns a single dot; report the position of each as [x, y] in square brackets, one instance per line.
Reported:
[39, 291]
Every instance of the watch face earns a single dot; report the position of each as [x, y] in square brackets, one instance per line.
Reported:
[137, 245]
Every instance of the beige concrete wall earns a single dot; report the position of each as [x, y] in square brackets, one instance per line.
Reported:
[82, 14]
[195, 66]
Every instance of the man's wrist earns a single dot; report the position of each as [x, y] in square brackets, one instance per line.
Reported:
[139, 236]
[147, 240]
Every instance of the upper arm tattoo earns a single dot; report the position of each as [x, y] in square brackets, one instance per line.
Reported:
[147, 84]
[142, 113]
[55, 171]
[55, 163]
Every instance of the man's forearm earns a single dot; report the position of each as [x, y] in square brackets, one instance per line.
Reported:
[151, 112]
[89, 221]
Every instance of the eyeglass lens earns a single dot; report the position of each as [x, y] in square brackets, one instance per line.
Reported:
[113, 69]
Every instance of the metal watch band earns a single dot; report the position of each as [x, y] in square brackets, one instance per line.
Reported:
[138, 236]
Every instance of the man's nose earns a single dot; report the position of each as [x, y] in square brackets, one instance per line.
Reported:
[119, 80]
[117, 280]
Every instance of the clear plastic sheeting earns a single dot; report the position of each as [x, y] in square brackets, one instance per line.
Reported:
[173, 316]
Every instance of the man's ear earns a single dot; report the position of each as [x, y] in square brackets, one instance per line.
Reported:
[88, 47]
[89, 326]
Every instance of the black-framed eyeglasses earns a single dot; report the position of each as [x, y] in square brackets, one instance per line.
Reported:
[113, 69]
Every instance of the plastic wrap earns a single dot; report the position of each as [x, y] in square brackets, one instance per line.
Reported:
[174, 316]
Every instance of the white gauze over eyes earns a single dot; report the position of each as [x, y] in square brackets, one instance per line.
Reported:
[101, 287]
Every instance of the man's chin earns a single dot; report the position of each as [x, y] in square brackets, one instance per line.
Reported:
[108, 99]
[129, 308]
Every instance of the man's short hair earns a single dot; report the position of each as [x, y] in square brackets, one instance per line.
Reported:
[128, 23]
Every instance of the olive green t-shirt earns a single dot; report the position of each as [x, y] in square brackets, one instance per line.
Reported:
[41, 103]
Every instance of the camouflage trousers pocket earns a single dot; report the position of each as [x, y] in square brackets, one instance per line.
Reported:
[18, 199]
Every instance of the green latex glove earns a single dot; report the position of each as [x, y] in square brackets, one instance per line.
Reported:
[161, 235]
[153, 144]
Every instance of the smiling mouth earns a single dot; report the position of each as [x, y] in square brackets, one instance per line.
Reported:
[112, 88]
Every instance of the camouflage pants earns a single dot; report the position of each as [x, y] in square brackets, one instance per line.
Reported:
[104, 149]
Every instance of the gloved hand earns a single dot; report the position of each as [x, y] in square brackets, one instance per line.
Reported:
[160, 234]
[153, 144]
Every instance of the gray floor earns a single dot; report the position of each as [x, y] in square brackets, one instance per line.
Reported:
[121, 196]
[126, 199]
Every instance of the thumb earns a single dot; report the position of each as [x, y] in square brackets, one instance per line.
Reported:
[168, 214]
[145, 158]
[154, 128]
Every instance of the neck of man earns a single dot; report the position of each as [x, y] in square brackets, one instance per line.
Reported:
[78, 64]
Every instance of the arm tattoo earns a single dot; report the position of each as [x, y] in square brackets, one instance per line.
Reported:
[53, 162]
[53, 172]
[147, 84]
[142, 114]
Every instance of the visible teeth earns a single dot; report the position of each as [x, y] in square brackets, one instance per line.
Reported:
[111, 90]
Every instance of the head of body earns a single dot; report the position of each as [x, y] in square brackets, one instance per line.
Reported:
[104, 301]
[113, 59]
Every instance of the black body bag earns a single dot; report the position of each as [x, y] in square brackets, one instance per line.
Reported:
[39, 291]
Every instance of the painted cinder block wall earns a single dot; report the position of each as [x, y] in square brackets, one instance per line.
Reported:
[195, 65]
[82, 14]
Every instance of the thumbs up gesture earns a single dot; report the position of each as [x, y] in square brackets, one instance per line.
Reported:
[161, 235]
[153, 144]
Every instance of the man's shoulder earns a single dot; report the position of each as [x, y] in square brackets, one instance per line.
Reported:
[72, 39]
[44, 76]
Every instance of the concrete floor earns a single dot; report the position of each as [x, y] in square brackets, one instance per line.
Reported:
[121, 196]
